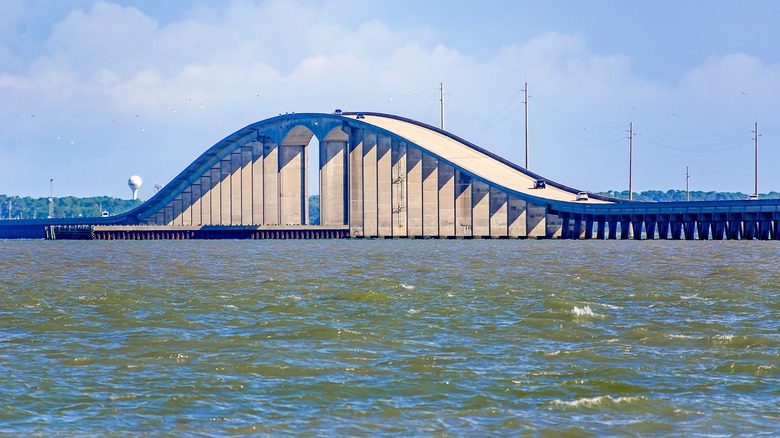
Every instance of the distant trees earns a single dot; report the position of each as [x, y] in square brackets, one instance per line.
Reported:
[682, 195]
[15, 207]
[314, 210]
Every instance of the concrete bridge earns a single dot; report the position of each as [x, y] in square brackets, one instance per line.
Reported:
[384, 176]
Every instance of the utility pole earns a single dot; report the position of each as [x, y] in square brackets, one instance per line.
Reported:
[51, 198]
[441, 100]
[630, 159]
[755, 171]
[687, 189]
[525, 90]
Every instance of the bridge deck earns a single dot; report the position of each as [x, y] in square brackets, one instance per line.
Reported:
[478, 163]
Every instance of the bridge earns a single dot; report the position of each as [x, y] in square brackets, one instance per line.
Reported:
[385, 176]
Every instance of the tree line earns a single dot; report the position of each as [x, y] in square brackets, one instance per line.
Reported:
[682, 195]
[15, 207]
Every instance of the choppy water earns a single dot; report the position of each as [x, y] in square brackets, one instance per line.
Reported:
[389, 338]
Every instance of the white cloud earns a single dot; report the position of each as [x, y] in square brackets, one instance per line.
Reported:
[188, 83]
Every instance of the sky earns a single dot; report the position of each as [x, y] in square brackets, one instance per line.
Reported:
[93, 92]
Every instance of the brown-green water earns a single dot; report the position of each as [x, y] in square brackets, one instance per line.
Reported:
[389, 338]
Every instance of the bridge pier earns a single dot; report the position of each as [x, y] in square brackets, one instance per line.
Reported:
[625, 227]
[704, 229]
[577, 230]
[613, 226]
[764, 229]
[601, 224]
[650, 227]
[677, 227]
[734, 229]
[589, 228]
[719, 230]
[750, 229]
[663, 229]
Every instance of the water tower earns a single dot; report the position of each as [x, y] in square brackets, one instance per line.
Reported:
[134, 183]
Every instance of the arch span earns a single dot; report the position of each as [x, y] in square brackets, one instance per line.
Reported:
[380, 175]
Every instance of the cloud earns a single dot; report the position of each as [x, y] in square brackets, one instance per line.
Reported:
[189, 81]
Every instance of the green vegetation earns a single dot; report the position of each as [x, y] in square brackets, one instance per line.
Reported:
[682, 195]
[70, 206]
[314, 210]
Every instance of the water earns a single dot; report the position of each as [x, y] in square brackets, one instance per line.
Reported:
[389, 338]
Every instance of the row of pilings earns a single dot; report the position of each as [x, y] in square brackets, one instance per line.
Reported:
[650, 227]
[173, 233]
[216, 234]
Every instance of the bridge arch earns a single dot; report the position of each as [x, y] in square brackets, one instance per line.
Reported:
[379, 175]
[387, 176]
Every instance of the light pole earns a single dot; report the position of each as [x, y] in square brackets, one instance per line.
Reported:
[525, 90]
[630, 159]
[51, 198]
[755, 170]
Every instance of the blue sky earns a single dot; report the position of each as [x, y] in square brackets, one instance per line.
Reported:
[96, 91]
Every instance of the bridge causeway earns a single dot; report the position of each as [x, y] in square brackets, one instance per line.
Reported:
[385, 176]
[701, 220]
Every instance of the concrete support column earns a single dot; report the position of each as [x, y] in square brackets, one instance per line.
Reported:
[257, 183]
[399, 177]
[589, 228]
[205, 200]
[601, 225]
[430, 195]
[197, 215]
[677, 227]
[636, 225]
[384, 187]
[224, 191]
[576, 231]
[246, 185]
[216, 195]
[370, 178]
[690, 229]
[355, 175]
[565, 233]
[650, 226]
[537, 220]
[480, 201]
[463, 204]
[719, 230]
[750, 229]
[271, 215]
[414, 192]
[446, 185]
[625, 228]
[498, 213]
[553, 228]
[516, 217]
[613, 226]
[764, 229]
[333, 181]
[704, 230]
[663, 229]
[735, 229]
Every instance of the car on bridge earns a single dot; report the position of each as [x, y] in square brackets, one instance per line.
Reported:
[540, 184]
[582, 196]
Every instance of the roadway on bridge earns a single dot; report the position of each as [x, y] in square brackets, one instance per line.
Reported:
[472, 160]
